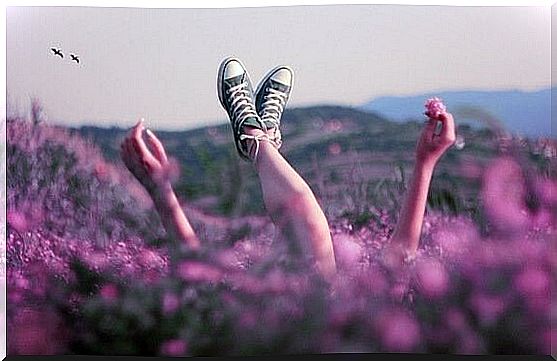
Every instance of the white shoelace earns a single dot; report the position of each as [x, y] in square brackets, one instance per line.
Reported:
[273, 105]
[241, 105]
[256, 139]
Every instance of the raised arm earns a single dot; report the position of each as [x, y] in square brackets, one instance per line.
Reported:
[430, 148]
[153, 170]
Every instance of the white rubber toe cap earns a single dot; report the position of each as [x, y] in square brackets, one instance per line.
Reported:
[233, 69]
[283, 76]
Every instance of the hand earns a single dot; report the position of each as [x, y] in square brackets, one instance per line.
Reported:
[432, 146]
[152, 169]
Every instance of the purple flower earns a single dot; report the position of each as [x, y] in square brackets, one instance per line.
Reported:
[488, 307]
[432, 278]
[109, 292]
[534, 286]
[347, 252]
[175, 347]
[503, 194]
[435, 107]
[17, 220]
[170, 303]
[399, 332]
[196, 271]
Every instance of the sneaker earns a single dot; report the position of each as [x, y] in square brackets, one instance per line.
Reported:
[235, 93]
[271, 97]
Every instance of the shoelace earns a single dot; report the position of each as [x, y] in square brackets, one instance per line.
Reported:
[241, 105]
[273, 106]
[256, 139]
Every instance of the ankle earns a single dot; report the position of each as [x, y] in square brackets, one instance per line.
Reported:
[253, 131]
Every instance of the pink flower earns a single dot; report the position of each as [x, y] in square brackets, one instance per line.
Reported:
[109, 292]
[432, 278]
[435, 107]
[335, 149]
[534, 286]
[17, 220]
[170, 303]
[175, 347]
[347, 252]
[488, 308]
[399, 332]
[503, 194]
[196, 271]
[532, 282]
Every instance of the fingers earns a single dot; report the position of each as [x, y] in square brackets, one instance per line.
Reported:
[157, 146]
[137, 140]
[134, 151]
[429, 129]
[448, 131]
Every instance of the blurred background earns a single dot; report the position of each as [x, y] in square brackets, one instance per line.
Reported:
[86, 251]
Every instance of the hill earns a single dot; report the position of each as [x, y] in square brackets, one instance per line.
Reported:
[330, 146]
[526, 113]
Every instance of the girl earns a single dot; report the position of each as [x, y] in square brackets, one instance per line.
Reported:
[255, 119]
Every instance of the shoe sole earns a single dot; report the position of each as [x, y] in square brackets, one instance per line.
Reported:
[270, 74]
[220, 77]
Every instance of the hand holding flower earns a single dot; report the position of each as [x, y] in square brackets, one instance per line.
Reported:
[432, 145]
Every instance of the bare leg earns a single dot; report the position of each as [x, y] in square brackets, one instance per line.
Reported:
[292, 205]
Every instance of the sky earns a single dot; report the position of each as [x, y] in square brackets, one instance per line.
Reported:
[161, 64]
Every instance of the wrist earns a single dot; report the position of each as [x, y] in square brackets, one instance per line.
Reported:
[163, 195]
[425, 164]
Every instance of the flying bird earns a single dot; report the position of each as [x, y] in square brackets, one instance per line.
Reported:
[57, 52]
[74, 57]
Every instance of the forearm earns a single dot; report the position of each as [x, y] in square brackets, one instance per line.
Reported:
[408, 230]
[172, 215]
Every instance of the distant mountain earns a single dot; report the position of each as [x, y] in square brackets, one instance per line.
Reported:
[526, 113]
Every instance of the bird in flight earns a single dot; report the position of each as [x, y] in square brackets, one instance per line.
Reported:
[57, 52]
[74, 57]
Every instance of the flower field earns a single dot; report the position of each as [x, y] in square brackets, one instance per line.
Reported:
[90, 270]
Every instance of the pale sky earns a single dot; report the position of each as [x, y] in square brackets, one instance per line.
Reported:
[161, 64]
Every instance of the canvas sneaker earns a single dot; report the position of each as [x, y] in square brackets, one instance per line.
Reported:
[271, 97]
[235, 93]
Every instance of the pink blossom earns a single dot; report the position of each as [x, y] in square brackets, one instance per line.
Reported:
[175, 347]
[432, 277]
[335, 149]
[503, 194]
[347, 252]
[17, 220]
[534, 286]
[170, 303]
[109, 292]
[435, 107]
[399, 331]
[196, 271]
[488, 307]
[532, 281]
